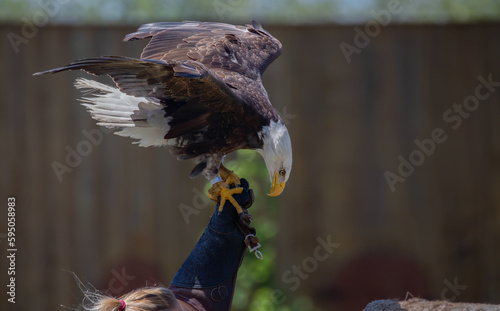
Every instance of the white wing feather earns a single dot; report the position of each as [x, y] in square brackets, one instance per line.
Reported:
[137, 117]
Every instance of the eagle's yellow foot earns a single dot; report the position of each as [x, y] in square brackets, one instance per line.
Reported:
[228, 176]
[220, 192]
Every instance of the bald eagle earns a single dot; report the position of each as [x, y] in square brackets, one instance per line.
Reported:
[196, 88]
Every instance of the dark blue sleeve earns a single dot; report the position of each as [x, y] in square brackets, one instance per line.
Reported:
[206, 279]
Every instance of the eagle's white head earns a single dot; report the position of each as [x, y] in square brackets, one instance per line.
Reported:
[277, 154]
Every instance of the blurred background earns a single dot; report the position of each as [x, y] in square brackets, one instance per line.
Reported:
[392, 107]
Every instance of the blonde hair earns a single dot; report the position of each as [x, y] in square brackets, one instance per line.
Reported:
[143, 299]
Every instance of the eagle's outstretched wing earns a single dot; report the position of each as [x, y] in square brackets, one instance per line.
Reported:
[207, 76]
[220, 47]
[193, 96]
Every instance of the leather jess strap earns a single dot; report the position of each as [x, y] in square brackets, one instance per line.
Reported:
[243, 223]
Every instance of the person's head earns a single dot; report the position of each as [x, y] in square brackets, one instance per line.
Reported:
[143, 299]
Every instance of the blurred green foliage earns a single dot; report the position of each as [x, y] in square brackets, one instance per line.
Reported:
[241, 11]
[257, 281]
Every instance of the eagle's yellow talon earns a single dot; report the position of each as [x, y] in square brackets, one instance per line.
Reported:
[227, 194]
[222, 191]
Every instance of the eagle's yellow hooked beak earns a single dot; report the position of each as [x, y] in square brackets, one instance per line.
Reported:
[276, 187]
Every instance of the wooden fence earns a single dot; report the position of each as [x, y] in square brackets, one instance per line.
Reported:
[395, 183]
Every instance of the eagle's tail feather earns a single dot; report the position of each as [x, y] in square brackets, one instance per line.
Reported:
[136, 117]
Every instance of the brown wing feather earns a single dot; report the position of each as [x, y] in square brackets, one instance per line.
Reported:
[238, 55]
[193, 96]
[245, 50]
[187, 85]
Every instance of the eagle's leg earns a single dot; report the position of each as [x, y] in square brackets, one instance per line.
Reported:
[220, 191]
[228, 176]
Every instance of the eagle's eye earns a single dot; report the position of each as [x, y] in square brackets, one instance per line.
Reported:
[282, 172]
